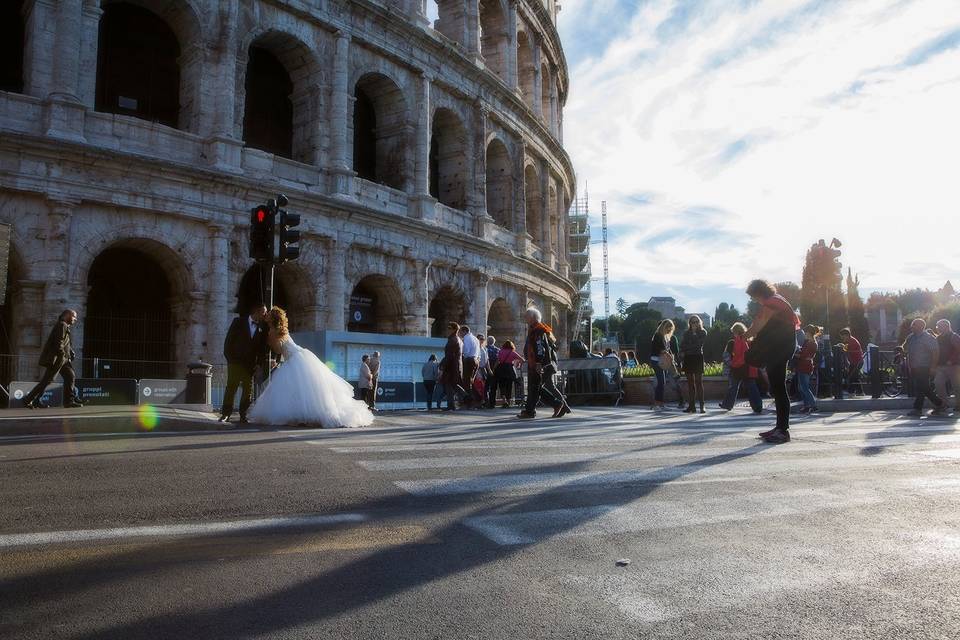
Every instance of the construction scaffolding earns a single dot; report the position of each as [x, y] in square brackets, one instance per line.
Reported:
[580, 272]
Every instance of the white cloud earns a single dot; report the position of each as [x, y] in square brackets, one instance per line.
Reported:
[790, 120]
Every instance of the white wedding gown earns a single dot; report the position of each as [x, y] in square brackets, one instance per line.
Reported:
[303, 390]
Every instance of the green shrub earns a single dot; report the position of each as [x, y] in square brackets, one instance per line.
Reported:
[646, 371]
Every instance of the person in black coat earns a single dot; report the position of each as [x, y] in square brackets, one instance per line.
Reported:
[245, 349]
[56, 358]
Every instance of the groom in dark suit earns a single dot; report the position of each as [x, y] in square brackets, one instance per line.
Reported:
[245, 349]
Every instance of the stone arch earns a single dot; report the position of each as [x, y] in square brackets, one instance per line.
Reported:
[137, 311]
[294, 288]
[376, 306]
[534, 203]
[10, 307]
[500, 183]
[448, 17]
[494, 37]
[139, 65]
[448, 157]
[380, 131]
[448, 304]
[526, 71]
[502, 321]
[12, 43]
[281, 77]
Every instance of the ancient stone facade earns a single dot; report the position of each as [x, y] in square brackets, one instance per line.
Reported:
[425, 159]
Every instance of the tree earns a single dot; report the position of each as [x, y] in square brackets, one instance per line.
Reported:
[856, 316]
[726, 314]
[621, 307]
[716, 341]
[821, 298]
[916, 301]
[638, 327]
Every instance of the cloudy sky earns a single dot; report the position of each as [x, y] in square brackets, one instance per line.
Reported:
[729, 135]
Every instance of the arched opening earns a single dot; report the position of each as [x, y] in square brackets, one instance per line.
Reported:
[138, 73]
[525, 68]
[447, 305]
[502, 322]
[494, 41]
[9, 340]
[448, 151]
[128, 324]
[11, 46]
[253, 290]
[379, 131]
[268, 107]
[534, 204]
[545, 106]
[499, 184]
[376, 306]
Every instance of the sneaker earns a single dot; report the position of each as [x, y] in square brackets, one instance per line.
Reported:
[939, 412]
[777, 436]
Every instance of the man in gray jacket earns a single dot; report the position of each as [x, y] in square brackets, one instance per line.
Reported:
[923, 353]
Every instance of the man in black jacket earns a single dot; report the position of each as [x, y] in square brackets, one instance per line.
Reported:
[245, 349]
[56, 358]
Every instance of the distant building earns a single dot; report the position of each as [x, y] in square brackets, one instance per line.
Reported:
[666, 305]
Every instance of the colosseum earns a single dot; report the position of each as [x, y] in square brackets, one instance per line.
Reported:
[420, 141]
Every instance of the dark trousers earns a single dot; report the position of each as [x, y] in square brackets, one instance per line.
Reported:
[470, 366]
[492, 384]
[777, 374]
[69, 378]
[429, 385]
[373, 392]
[922, 388]
[733, 392]
[451, 391]
[661, 376]
[540, 384]
[241, 376]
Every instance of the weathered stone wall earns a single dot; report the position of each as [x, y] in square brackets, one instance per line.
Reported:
[75, 181]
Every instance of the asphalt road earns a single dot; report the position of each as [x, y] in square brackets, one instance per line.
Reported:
[473, 525]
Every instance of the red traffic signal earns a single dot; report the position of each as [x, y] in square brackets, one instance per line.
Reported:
[261, 233]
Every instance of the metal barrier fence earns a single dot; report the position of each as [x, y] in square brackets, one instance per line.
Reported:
[588, 378]
[882, 373]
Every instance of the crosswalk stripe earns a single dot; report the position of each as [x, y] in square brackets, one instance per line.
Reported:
[612, 455]
[645, 515]
[541, 482]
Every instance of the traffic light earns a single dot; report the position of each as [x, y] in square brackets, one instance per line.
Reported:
[287, 236]
[261, 233]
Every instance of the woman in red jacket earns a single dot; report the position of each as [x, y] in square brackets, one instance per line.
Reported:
[741, 372]
[806, 365]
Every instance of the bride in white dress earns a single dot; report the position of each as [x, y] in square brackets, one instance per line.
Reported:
[303, 390]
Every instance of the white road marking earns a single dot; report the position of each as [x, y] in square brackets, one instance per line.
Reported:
[78, 436]
[176, 530]
[540, 482]
[620, 454]
[943, 453]
[645, 515]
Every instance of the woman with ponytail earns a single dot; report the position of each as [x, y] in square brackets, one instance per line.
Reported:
[806, 365]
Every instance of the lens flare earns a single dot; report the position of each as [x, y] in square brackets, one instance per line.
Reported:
[331, 365]
[149, 418]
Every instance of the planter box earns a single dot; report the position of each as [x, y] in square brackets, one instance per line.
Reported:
[640, 390]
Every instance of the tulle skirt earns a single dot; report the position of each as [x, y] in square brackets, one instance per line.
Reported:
[303, 390]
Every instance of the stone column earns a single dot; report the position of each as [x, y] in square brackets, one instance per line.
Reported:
[420, 299]
[219, 311]
[537, 81]
[337, 285]
[196, 345]
[90, 41]
[31, 328]
[39, 46]
[224, 146]
[472, 29]
[340, 172]
[422, 204]
[553, 102]
[545, 233]
[64, 111]
[513, 75]
[478, 205]
[481, 305]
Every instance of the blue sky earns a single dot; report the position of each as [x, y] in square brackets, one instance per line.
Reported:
[727, 136]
